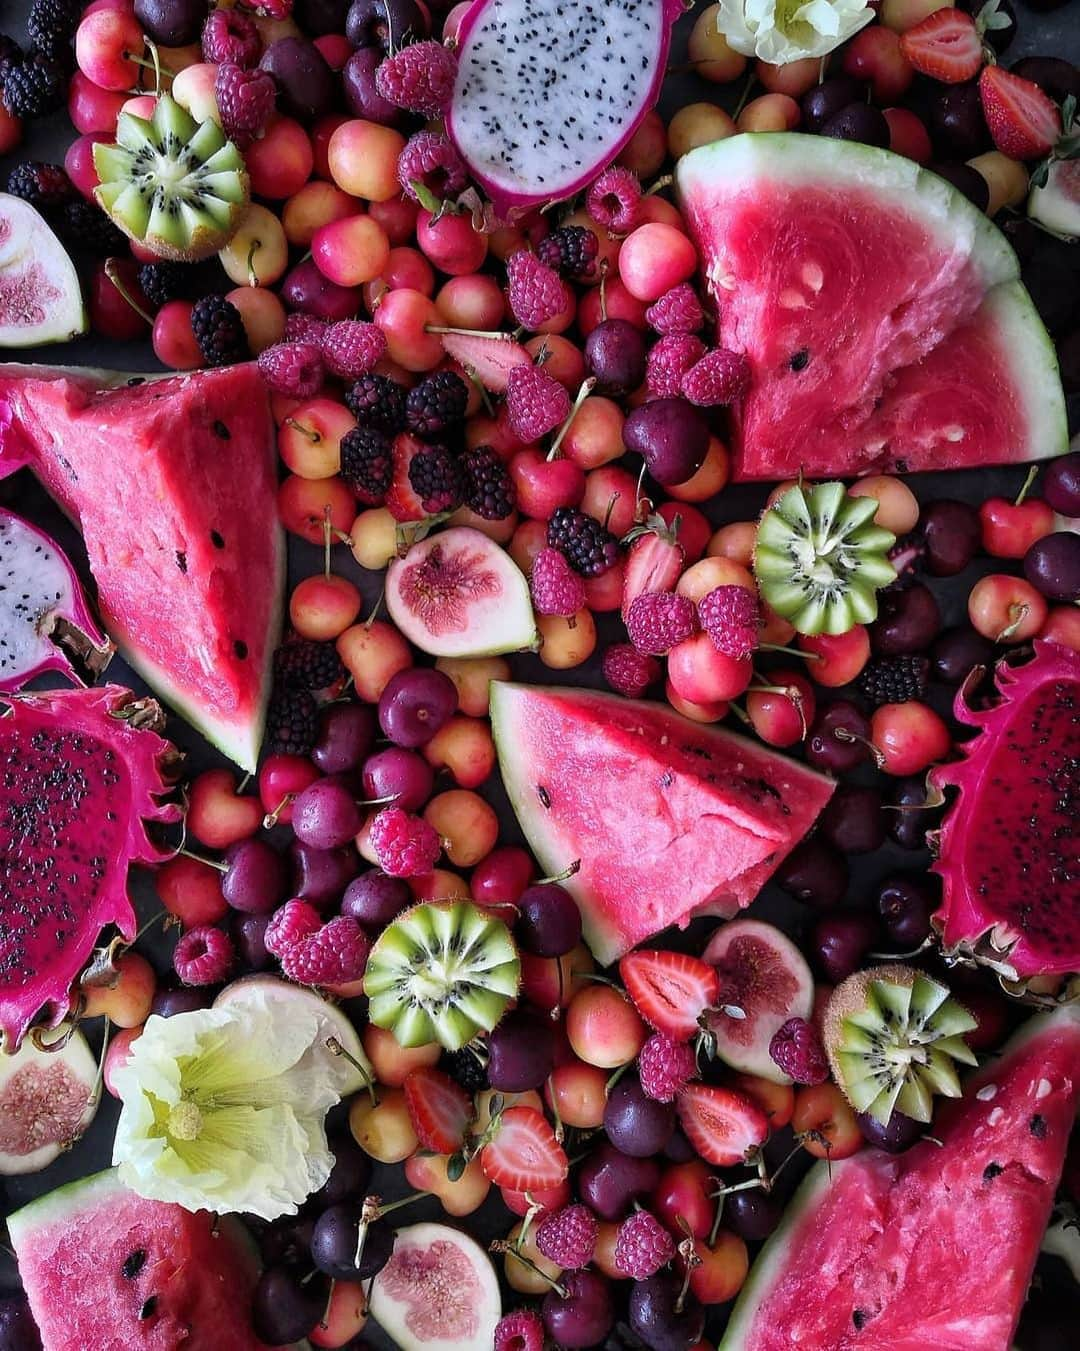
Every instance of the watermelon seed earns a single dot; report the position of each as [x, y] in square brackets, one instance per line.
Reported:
[241, 649]
[1037, 1126]
[859, 1317]
[181, 560]
[544, 796]
[133, 1264]
[800, 360]
[991, 1171]
[148, 1307]
[219, 429]
[217, 540]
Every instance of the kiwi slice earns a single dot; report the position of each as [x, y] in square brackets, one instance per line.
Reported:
[820, 559]
[441, 972]
[172, 185]
[894, 1038]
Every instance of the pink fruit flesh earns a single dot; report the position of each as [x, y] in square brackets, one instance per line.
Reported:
[437, 1283]
[39, 1105]
[88, 774]
[490, 359]
[1007, 849]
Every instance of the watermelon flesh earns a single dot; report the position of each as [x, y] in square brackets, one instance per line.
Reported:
[933, 1248]
[668, 818]
[105, 1268]
[880, 311]
[173, 483]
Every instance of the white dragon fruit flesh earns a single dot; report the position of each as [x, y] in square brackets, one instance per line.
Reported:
[1009, 848]
[45, 622]
[82, 772]
[548, 93]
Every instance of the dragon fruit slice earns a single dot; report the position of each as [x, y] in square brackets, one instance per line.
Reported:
[1007, 851]
[548, 94]
[45, 623]
[81, 771]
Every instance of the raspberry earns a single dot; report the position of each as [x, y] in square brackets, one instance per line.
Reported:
[162, 282]
[664, 1066]
[291, 924]
[535, 402]
[797, 1049]
[556, 588]
[308, 665]
[51, 26]
[230, 36]
[677, 311]
[489, 489]
[893, 680]
[293, 368]
[85, 226]
[204, 955]
[419, 78]
[436, 404]
[589, 547]
[730, 615]
[367, 464]
[536, 293]
[669, 361]
[351, 348]
[42, 185]
[292, 722]
[219, 331]
[614, 199]
[430, 160]
[567, 1237]
[520, 1331]
[404, 845]
[245, 100]
[629, 671]
[719, 377]
[269, 9]
[337, 952]
[642, 1246]
[436, 478]
[33, 87]
[378, 402]
[301, 327]
[657, 620]
[571, 251]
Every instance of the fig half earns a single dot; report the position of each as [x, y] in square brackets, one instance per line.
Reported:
[40, 300]
[47, 1099]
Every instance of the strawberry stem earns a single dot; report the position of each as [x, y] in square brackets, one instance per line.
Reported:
[582, 394]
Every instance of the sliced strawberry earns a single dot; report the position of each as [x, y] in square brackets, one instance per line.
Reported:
[654, 563]
[722, 1125]
[401, 501]
[524, 1155]
[670, 990]
[551, 1198]
[491, 359]
[946, 46]
[439, 1109]
[1024, 122]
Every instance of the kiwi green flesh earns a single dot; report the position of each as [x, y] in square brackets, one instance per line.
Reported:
[441, 973]
[899, 1046]
[820, 560]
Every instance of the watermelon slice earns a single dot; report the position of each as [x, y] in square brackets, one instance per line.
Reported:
[933, 1248]
[103, 1267]
[173, 483]
[668, 818]
[880, 311]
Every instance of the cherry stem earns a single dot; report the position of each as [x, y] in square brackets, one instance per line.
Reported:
[504, 1246]
[603, 290]
[569, 871]
[114, 277]
[688, 1253]
[201, 858]
[1018, 612]
[253, 276]
[497, 335]
[790, 651]
[313, 437]
[335, 1048]
[582, 394]
[560, 1132]
[270, 820]
[744, 95]
[842, 734]
[1026, 485]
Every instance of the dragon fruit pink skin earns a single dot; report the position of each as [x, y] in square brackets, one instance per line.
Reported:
[44, 617]
[571, 61]
[81, 772]
[1008, 848]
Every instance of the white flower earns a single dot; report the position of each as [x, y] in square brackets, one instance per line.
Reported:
[779, 31]
[224, 1109]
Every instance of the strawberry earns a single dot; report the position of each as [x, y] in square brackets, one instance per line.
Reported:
[402, 501]
[490, 357]
[524, 1154]
[670, 989]
[1023, 121]
[654, 563]
[439, 1109]
[722, 1125]
[946, 46]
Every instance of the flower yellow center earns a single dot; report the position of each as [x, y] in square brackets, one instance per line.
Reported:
[185, 1121]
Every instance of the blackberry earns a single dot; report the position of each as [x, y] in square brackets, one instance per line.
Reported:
[489, 489]
[570, 250]
[467, 1069]
[367, 464]
[51, 26]
[162, 282]
[10, 54]
[307, 665]
[436, 404]
[33, 87]
[292, 721]
[893, 680]
[85, 226]
[589, 548]
[219, 331]
[378, 402]
[437, 479]
[41, 184]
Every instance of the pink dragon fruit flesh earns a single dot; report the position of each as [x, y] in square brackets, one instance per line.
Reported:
[81, 773]
[45, 622]
[547, 93]
[1009, 848]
